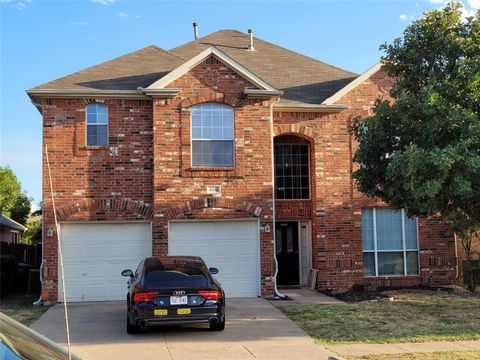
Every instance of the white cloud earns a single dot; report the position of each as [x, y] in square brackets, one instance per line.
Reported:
[475, 4]
[403, 17]
[122, 14]
[103, 2]
[21, 5]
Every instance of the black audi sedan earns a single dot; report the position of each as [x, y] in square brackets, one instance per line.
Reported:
[174, 290]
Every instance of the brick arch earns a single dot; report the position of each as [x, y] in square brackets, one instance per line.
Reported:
[209, 203]
[298, 130]
[133, 207]
[210, 96]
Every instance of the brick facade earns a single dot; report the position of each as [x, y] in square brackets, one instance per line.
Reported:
[145, 174]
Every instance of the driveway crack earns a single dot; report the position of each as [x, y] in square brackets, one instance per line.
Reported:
[166, 344]
[251, 353]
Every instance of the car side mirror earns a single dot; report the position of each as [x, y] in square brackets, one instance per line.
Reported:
[213, 270]
[127, 272]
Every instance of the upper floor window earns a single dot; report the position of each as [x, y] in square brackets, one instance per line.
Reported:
[97, 124]
[212, 135]
[292, 179]
[390, 244]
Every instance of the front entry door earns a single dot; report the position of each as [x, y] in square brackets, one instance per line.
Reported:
[286, 237]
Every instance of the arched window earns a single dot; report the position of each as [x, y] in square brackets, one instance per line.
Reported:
[97, 124]
[212, 135]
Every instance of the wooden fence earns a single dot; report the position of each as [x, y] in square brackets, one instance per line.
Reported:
[28, 254]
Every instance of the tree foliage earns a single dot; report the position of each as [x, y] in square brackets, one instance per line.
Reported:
[422, 151]
[14, 203]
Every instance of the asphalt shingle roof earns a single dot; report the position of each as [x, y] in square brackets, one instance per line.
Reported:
[303, 79]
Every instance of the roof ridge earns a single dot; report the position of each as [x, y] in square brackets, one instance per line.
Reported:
[306, 56]
[166, 51]
[200, 38]
[102, 63]
[272, 44]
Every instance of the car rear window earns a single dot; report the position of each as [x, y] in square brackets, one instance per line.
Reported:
[174, 275]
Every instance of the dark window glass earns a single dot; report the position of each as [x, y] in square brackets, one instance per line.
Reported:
[292, 178]
[163, 275]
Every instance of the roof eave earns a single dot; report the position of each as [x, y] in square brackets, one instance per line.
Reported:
[319, 108]
[261, 94]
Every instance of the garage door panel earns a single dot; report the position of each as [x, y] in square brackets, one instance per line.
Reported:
[230, 246]
[96, 253]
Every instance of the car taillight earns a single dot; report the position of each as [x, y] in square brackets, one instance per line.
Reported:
[210, 294]
[144, 296]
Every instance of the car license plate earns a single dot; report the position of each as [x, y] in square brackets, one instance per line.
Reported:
[184, 311]
[160, 312]
[178, 300]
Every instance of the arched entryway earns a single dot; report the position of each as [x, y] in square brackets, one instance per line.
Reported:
[293, 154]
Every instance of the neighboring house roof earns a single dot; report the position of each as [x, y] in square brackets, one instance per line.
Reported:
[304, 80]
[11, 224]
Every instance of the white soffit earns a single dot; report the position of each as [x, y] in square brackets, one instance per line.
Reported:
[352, 85]
[190, 64]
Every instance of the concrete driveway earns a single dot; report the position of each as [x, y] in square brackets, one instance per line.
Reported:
[255, 330]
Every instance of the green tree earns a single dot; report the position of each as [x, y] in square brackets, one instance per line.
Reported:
[421, 152]
[14, 203]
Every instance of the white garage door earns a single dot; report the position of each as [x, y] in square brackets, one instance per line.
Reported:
[94, 255]
[231, 246]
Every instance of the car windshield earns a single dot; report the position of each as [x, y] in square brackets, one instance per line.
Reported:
[20, 342]
[172, 274]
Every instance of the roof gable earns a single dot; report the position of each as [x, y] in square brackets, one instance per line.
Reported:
[219, 55]
[352, 85]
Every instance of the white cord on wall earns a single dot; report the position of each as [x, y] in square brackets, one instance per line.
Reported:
[60, 255]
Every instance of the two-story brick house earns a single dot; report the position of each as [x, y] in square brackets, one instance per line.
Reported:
[226, 147]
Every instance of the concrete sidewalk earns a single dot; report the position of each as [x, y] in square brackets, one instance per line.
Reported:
[376, 349]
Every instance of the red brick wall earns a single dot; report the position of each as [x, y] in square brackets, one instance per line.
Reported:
[113, 183]
[146, 173]
[246, 187]
[336, 209]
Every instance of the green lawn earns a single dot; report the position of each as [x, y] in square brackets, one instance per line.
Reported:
[20, 308]
[412, 317]
[447, 355]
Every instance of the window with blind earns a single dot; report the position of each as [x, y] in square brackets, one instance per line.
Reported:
[390, 242]
[212, 135]
[97, 124]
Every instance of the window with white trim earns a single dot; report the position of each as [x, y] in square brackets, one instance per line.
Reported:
[390, 242]
[212, 135]
[97, 124]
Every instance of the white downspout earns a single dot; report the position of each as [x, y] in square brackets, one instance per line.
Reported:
[277, 294]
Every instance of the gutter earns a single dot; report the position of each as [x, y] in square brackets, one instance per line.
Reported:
[277, 294]
[320, 108]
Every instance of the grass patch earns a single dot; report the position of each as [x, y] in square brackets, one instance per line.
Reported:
[20, 308]
[412, 317]
[444, 355]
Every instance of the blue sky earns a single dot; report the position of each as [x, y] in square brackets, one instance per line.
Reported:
[43, 40]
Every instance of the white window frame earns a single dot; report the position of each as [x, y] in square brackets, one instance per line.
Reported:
[404, 250]
[87, 125]
[192, 139]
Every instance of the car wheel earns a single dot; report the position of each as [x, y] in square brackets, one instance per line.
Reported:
[132, 329]
[217, 326]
